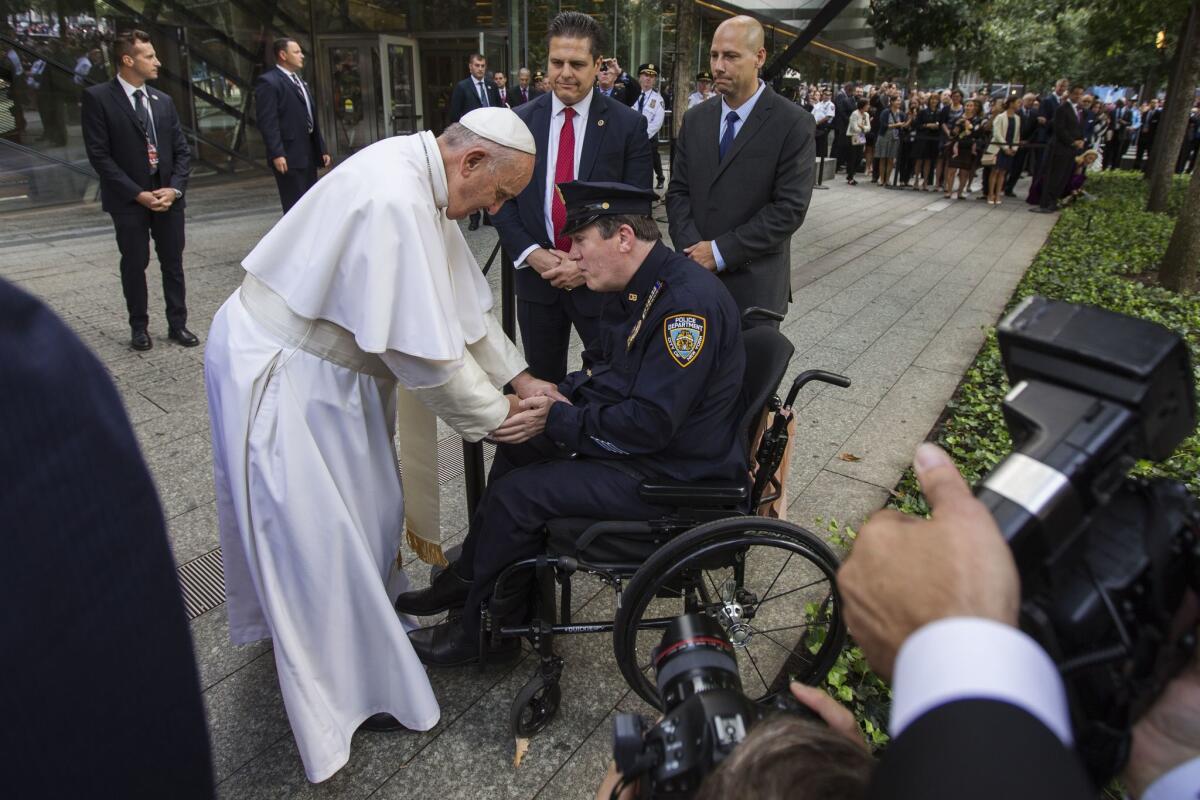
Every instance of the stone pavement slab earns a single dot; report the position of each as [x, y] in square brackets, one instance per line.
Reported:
[894, 289]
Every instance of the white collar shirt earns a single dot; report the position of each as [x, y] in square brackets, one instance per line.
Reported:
[743, 112]
[145, 90]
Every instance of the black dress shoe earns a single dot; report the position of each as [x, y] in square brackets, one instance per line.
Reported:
[381, 722]
[474, 225]
[448, 645]
[446, 592]
[658, 184]
[140, 340]
[183, 336]
[1010, 194]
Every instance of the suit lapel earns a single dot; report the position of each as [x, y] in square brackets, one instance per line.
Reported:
[594, 135]
[540, 126]
[757, 121]
[122, 101]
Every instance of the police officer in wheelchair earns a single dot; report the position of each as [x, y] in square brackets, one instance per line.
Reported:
[660, 398]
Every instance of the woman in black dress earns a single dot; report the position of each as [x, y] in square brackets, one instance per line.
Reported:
[961, 156]
[925, 147]
[948, 117]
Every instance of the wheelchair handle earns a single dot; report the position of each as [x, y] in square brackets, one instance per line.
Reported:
[810, 375]
[757, 312]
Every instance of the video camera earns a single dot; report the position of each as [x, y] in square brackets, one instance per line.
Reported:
[1105, 560]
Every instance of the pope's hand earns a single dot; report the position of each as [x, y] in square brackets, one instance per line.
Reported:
[526, 423]
[543, 260]
[565, 276]
[529, 386]
[966, 567]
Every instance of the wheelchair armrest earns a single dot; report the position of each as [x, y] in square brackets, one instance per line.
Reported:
[694, 494]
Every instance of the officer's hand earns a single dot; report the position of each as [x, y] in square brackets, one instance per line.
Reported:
[702, 254]
[565, 276]
[529, 386]
[834, 714]
[543, 260]
[526, 423]
[280, 165]
[965, 567]
[1169, 733]
[325, 160]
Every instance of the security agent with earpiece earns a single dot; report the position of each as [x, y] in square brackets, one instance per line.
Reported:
[660, 397]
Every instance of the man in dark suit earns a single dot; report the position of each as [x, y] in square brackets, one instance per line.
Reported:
[93, 622]
[743, 174]
[502, 94]
[1045, 130]
[523, 92]
[1028, 114]
[580, 135]
[136, 145]
[1145, 140]
[1122, 120]
[844, 104]
[1065, 143]
[287, 119]
[472, 92]
[606, 84]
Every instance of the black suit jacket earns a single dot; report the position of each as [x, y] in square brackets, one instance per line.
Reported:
[116, 145]
[465, 98]
[1048, 107]
[979, 749]
[843, 106]
[615, 148]
[102, 694]
[514, 95]
[282, 120]
[1067, 128]
[1028, 122]
[751, 203]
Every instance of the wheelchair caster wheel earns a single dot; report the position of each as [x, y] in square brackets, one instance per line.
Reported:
[534, 707]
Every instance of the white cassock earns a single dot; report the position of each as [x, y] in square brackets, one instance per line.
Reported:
[365, 283]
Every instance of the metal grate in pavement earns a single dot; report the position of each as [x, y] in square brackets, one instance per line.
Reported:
[202, 580]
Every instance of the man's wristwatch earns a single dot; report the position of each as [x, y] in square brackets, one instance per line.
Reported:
[178, 194]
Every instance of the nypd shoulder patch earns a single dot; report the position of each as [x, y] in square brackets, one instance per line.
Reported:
[684, 334]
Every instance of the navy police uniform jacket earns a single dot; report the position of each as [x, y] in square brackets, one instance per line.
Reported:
[663, 391]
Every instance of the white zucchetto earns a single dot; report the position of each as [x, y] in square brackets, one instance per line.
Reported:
[501, 126]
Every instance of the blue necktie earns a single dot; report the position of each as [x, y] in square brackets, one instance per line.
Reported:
[727, 138]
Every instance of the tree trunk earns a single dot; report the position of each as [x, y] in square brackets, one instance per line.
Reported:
[913, 54]
[686, 30]
[1173, 125]
[1178, 268]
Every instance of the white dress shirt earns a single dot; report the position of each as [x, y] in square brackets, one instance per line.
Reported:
[579, 124]
[130, 89]
[743, 113]
[965, 658]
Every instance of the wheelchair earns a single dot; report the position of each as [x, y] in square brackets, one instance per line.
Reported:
[769, 583]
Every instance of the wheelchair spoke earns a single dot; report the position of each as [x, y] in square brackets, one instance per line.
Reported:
[767, 593]
[716, 590]
[792, 627]
[778, 644]
[766, 686]
[822, 579]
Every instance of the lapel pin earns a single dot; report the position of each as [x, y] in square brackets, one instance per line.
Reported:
[599, 123]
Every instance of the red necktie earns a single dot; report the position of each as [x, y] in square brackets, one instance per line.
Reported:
[564, 172]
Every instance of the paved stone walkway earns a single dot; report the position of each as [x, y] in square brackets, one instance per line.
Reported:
[891, 288]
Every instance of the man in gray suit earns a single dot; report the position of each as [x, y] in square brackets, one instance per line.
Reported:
[743, 174]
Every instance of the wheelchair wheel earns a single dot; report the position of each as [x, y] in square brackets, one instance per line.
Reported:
[534, 706]
[769, 583]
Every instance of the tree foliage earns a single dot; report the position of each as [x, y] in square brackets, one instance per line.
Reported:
[915, 25]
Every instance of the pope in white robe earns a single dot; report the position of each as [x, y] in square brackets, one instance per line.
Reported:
[365, 284]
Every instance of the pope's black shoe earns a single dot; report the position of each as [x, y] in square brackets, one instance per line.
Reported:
[449, 645]
[140, 339]
[183, 336]
[381, 722]
[446, 592]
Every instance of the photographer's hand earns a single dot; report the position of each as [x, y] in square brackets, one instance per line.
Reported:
[834, 714]
[1169, 733]
[906, 572]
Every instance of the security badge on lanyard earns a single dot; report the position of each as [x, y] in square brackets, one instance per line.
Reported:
[645, 312]
[152, 155]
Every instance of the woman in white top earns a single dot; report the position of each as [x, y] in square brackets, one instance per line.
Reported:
[860, 125]
[1006, 138]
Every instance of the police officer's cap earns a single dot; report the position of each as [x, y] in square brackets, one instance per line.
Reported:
[647, 69]
[587, 201]
[704, 76]
[539, 75]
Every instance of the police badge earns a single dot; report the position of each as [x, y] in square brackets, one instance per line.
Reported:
[684, 334]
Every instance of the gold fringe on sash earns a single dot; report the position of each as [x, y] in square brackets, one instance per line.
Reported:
[416, 427]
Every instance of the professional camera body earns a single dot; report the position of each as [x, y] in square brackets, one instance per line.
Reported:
[1105, 560]
[707, 714]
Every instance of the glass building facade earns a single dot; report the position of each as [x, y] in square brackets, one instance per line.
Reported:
[378, 67]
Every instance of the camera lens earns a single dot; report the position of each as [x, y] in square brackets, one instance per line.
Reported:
[694, 656]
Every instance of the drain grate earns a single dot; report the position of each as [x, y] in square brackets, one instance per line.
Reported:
[203, 583]
[202, 580]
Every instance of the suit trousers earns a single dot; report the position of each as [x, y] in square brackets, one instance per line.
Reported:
[1054, 181]
[529, 485]
[546, 334]
[1144, 143]
[294, 183]
[1113, 150]
[1016, 169]
[656, 159]
[135, 228]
